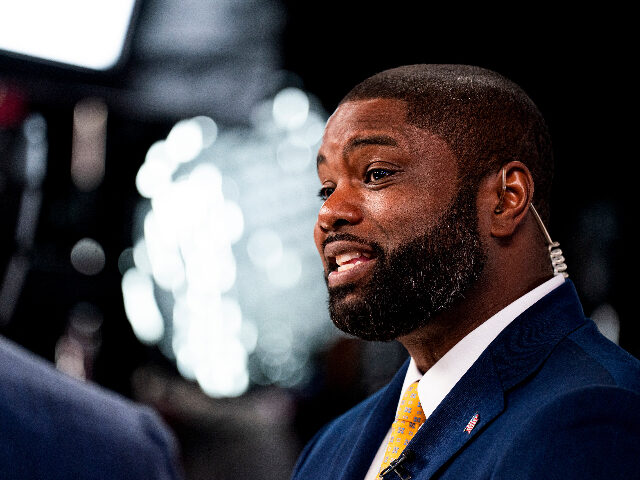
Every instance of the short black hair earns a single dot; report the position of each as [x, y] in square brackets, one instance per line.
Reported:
[486, 119]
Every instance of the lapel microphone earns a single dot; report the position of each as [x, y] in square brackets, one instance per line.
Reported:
[555, 254]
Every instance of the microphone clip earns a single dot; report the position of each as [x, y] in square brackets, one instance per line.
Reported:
[396, 467]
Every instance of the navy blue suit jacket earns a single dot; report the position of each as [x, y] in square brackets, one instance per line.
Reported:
[554, 398]
[55, 427]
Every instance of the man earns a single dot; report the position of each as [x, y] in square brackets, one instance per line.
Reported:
[432, 180]
[55, 427]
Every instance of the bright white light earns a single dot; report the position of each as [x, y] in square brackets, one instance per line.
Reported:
[206, 226]
[174, 208]
[141, 257]
[164, 256]
[290, 108]
[205, 185]
[197, 181]
[158, 153]
[185, 141]
[140, 306]
[248, 335]
[223, 373]
[265, 248]
[208, 129]
[287, 272]
[206, 344]
[186, 361]
[210, 270]
[183, 350]
[156, 172]
[231, 315]
[84, 33]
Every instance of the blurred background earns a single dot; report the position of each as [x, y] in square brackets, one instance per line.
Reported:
[158, 195]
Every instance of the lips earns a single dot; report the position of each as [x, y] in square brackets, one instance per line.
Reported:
[347, 261]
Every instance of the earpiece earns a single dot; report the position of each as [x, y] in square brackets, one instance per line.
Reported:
[498, 208]
[555, 254]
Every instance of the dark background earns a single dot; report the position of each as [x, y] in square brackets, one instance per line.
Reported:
[576, 66]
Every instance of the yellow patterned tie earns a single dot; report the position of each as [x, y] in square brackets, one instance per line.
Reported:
[408, 420]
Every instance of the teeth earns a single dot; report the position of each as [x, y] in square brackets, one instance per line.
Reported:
[345, 257]
[348, 266]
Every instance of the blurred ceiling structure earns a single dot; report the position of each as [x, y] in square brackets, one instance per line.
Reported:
[218, 58]
[182, 59]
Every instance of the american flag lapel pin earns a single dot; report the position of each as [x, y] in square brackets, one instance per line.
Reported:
[472, 423]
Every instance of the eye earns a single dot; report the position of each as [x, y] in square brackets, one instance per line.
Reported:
[325, 192]
[377, 174]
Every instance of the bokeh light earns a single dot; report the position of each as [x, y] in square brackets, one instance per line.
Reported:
[87, 256]
[226, 259]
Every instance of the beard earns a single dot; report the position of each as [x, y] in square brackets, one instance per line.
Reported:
[414, 281]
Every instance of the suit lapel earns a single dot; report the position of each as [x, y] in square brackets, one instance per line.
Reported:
[361, 445]
[479, 392]
[512, 357]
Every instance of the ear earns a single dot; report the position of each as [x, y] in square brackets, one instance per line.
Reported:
[512, 192]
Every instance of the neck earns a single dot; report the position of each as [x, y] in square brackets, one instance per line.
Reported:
[490, 294]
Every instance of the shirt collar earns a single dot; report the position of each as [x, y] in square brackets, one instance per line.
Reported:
[438, 381]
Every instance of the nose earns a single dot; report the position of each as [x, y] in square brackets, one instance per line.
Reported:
[342, 208]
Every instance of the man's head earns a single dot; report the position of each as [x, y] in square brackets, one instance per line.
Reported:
[486, 119]
[401, 164]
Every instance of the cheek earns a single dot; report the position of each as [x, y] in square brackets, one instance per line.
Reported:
[405, 217]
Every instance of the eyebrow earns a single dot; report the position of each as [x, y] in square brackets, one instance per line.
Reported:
[357, 142]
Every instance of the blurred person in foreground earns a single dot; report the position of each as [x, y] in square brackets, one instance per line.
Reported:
[436, 182]
[56, 427]
[53, 426]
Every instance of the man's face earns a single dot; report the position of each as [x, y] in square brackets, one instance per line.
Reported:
[397, 238]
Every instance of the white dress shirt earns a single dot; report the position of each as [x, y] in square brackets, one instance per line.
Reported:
[438, 381]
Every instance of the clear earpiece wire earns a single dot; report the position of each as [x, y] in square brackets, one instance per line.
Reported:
[557, 260]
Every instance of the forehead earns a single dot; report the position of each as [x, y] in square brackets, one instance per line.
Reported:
[377, 114]
[382, 122]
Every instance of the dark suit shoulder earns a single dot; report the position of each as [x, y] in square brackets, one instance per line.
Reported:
[54, 422]
[590, 432]
[622, 367]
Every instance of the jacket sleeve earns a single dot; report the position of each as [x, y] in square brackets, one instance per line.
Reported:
[161, 449]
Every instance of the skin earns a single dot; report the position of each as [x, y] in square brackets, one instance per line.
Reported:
[387, 181]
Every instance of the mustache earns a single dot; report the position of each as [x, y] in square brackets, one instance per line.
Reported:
[336, 237]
